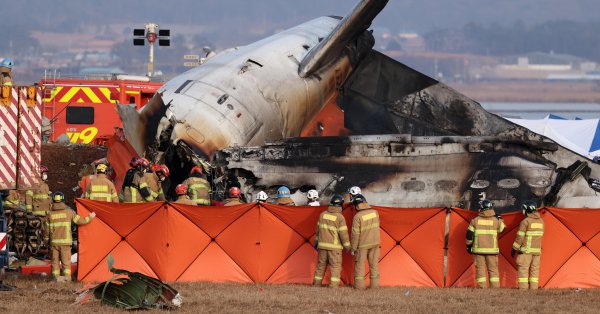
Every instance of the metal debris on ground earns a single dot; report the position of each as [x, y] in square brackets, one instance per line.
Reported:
[132, 291]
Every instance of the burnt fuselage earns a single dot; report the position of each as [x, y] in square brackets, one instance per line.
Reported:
[399, 170]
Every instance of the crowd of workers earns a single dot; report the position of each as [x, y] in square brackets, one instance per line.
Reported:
[142, 183]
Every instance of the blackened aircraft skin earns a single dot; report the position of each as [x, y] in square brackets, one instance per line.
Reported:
[270, 90]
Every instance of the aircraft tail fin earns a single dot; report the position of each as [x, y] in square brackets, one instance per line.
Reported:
[352, 25]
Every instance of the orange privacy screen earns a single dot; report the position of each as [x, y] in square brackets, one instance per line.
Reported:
[271, 243]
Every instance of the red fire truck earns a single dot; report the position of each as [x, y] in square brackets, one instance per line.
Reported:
[84, 108]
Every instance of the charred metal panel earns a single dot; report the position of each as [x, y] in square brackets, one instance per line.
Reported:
[401, 171]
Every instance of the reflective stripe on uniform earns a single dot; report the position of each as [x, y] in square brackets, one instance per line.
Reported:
[492, 232]
[359, 278]
[522, 280]
[318, 277]
[534, 233]
[329, 217]
[39, 213]
[335, 279]
[536, 225]
[58, 216]
[62, 241]
[481, 279]
[99, 188]
[328, 227]
[533, 279]
[60, 224]
[482, 250]
[471, 228]
[494, 279]
[368, 216]
[325, 245]
[40, 196]
[365, 245]
[485, 222]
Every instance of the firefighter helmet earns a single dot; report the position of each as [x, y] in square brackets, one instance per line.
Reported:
[262, 196]
[135, 162]
[163, 169]
[197, 170]
[283, 191]
[234, 191]
[43, 169]
[100, 161]
[7, 63]
[312, 195]
[486, 204]
[336, 200]
[101, 168]
[58, 197]
[529, 206]
[355, 190]
[358, 199]
[145, 162]
[181, 189]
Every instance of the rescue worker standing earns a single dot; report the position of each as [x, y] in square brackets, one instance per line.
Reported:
[59, 235]
[365, 242]
[262, 197]
[528, 246]
[37, 199]
[135, 187]
[182, 197]
[482, 242]
[331, 237]
[234, 197]
[153, 181]
[101, 188]
[284, 197]
[313, 198]
[198, 187]
[12, 201]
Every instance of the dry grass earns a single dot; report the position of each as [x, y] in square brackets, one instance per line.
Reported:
[39, 296]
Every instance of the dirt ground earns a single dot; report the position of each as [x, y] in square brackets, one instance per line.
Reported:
[36, 295]
[65, 162]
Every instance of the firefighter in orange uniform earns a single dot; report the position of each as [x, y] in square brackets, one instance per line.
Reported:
[182, 197]
[234, 197]
[101, 188]
[198, 187]
[135, 187]
[58, 233]
[365, 242]
[331, 237]
[528, 246]
[37, 199]
[482, 242]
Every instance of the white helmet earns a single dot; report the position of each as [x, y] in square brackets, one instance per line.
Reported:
[312, 195]
[262, 196]
[355, 190]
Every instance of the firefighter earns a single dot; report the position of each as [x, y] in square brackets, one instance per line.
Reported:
[331, 237]
[313, 198]
[182, 197]
[235, 196]
[153, 181]
[283, 197]
[6, 72]
[11, 201]
[262, 197]
[365, 242]
[482, 242]
[37, 199]
[163, 173]
[528, 246]
[135, 187]
[198, 187]
[101, 188]
[59, 234]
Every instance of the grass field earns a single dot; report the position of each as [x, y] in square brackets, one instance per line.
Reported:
[36, 295]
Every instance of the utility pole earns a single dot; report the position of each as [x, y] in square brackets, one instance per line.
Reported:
[151, 33]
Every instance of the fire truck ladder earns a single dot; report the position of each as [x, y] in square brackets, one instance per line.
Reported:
[49, 93]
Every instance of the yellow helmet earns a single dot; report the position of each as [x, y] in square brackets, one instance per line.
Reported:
[58, 197]
[101, 168]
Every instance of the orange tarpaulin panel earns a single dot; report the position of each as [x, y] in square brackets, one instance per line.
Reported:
[259, 243]
[582, 270]
[169, 242]
[271, 243]
[298, 268]
[214, 265]
[211, 219]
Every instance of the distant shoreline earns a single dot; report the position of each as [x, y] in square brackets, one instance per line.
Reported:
[531, 91]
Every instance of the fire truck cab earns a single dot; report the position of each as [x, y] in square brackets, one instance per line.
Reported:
[83, 109]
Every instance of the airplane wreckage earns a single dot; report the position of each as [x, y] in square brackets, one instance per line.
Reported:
[316, 107]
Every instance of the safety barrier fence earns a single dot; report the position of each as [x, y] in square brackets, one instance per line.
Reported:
[270, 243]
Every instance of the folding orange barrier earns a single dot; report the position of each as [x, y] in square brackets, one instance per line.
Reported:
[270, 243]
